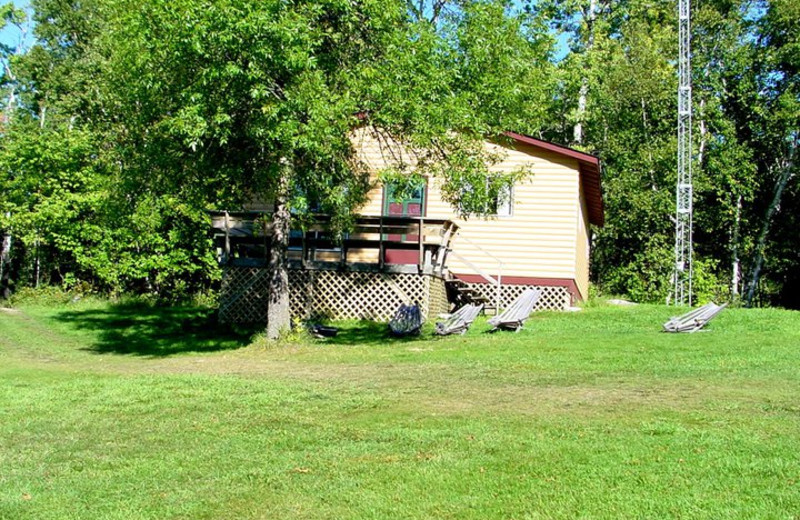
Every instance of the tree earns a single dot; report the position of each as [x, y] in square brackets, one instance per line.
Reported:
[76, 222]
[238, 98]
[9, 15]
[775, 131]
[746, 116]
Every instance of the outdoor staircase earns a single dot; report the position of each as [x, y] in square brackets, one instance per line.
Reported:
[460, 294]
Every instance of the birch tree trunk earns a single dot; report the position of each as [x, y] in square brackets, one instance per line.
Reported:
[278, 319]
[583, 93]
[736, 269]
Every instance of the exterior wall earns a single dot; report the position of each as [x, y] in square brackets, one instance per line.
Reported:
[538, 240]
[582, 249]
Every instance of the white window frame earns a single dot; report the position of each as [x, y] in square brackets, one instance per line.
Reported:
[505, 208]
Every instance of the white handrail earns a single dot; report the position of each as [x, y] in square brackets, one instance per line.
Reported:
[498, 282]
[486, 276]
[487, 253]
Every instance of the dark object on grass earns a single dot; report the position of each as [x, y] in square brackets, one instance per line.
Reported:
[694, 320]
[513, 317]
[321, 331]
[459, 321]
[407, 320]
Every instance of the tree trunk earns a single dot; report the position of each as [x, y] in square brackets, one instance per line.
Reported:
[577, 130]
[786, 173]
[583, 93]
[278, 319]
[703, 134]
[736, 269]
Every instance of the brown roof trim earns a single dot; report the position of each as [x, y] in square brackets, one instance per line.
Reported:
[589, 167]
[553, 147]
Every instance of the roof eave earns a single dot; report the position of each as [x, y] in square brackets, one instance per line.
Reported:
[589, 168]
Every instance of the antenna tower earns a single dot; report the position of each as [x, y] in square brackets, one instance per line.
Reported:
[683, 195]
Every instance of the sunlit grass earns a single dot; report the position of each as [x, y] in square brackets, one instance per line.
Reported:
[132, 411]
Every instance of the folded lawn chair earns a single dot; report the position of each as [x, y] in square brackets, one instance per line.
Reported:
[407, 321]
[694, 320]
[513, 317]
[459, 321]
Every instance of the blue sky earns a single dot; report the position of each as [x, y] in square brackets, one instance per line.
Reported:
[11, 35]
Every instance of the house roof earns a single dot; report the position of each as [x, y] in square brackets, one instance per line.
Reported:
[589, 168]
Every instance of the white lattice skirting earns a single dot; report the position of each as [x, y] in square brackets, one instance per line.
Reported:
[553, 298]
[330, 294]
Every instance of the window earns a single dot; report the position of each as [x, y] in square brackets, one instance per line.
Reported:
[411, 204]
[500, 195]
[502, 204]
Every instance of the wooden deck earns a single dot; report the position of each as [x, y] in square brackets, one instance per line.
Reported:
[386, 244]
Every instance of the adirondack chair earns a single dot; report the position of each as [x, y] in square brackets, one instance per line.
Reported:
[514, 316]
[407, 320]
[694, 320]
[459, 321]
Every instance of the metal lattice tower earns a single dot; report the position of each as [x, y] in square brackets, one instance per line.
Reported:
[683, 196]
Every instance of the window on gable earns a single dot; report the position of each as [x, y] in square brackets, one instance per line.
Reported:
[502, 203]
[496, 199]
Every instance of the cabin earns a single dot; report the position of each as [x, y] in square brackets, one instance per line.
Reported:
[417, 248]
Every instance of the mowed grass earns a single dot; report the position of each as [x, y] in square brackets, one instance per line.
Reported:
[129, 411]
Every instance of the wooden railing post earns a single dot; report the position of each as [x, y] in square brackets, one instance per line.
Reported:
[304, 253]
[381, 246]
[420, 239]
[227, 237]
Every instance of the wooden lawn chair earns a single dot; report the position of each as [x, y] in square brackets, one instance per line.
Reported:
[407, 320]
[514, 316]
[459, 321]
[694, 320]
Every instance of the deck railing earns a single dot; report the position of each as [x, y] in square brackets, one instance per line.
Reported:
[419, 241]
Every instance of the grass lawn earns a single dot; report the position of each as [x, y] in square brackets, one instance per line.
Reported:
[128, 411]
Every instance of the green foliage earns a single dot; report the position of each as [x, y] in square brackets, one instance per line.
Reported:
[707, 283]
[47, 295]
[68, 219]
[51, 196]
[645, 276]
[745, 114]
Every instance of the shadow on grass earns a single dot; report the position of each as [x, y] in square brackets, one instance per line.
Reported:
[142, 329]
[371, 333]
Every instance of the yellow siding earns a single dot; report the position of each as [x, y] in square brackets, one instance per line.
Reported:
[538, 240]
[582, 248]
